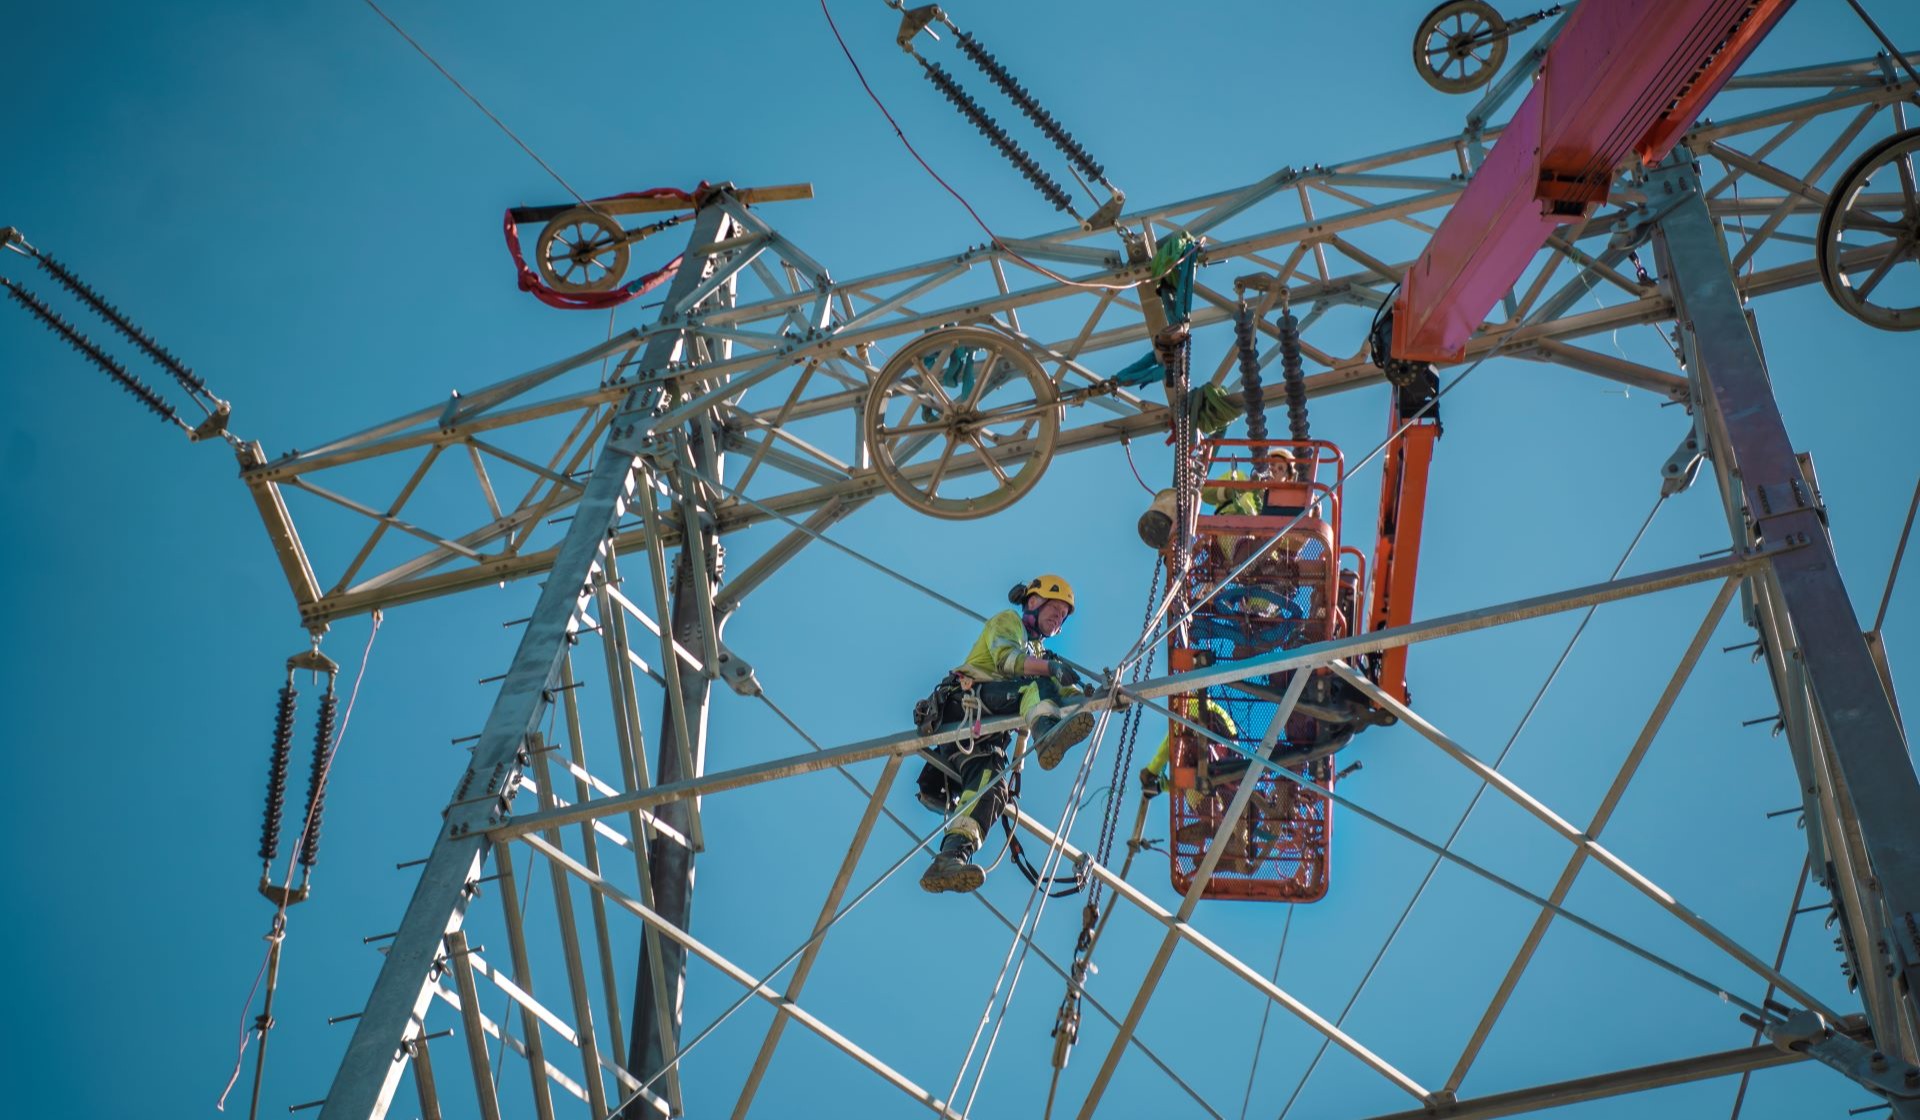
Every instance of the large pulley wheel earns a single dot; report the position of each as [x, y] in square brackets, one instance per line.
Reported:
[1460, 46]
[581, 250]
[1870, 234]
[961, 423]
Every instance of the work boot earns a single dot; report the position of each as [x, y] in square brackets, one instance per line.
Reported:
[1052, 735]
[953, 869]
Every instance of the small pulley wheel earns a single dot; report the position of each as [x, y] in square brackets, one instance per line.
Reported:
[961, 423]
[581, 250]
[1460, 46]
[1870, 233]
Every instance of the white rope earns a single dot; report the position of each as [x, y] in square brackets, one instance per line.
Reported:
[1004, 920]
[1023, 941]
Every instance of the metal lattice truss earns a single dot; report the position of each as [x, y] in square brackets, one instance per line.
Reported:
[584, 834]
[759, 362]
[781, 368]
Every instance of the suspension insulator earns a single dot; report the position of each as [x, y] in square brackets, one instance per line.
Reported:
[99, 357]
[1043, 120]
[1292, 375]
[112, 314]
[1250, 389]
[1016, 155]
[277, 774]
[317, 777]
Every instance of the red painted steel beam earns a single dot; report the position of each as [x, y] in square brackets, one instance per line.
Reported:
[1626, 78]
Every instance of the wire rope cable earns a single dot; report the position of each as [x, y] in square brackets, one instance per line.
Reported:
[1266, 1012]
[1899, 553]
[997, 241]
[478, 104]
[1587, 274]
[1037, 900]
[987, 903]
[1779, 959]
[1055, 852]
[1472, 866]
[1473, 802]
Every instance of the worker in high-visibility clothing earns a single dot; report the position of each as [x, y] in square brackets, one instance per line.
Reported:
[1253, 838]
[1008, 671]
[1156, 776]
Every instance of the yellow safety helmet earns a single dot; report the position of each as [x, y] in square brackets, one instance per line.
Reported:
[1050, 586]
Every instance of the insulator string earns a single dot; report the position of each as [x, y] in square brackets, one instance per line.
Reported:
[140, 389]
[1043, 120]
[1016, 155]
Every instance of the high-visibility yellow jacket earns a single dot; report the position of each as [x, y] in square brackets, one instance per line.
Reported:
[1162, 760]
[1243, 503]
[1002, 649]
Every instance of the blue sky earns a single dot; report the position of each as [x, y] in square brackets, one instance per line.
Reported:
[292, 200]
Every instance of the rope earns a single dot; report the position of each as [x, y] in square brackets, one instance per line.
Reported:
[1127, 446]
[1066, 1027]
[278, 930]
[1266, 1011]
[1899, 553]
[1023, 935]
[1123, 757]
[921, 842]
[1460, 824]
[981, 898]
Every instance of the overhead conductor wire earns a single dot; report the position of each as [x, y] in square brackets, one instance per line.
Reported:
[1266, 1012]
[1003, 919]
[277, 931]
[1023, 940]
[1526, 718]
[1779, 959]
[1076, 801]
[911, 150]
[970, 613]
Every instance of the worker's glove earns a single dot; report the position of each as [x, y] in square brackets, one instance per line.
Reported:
[1150, 783]
[1064, 674]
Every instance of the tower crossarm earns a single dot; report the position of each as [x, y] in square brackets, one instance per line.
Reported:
[785, 367]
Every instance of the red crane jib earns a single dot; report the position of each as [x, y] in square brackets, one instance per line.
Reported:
[1625, 77]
